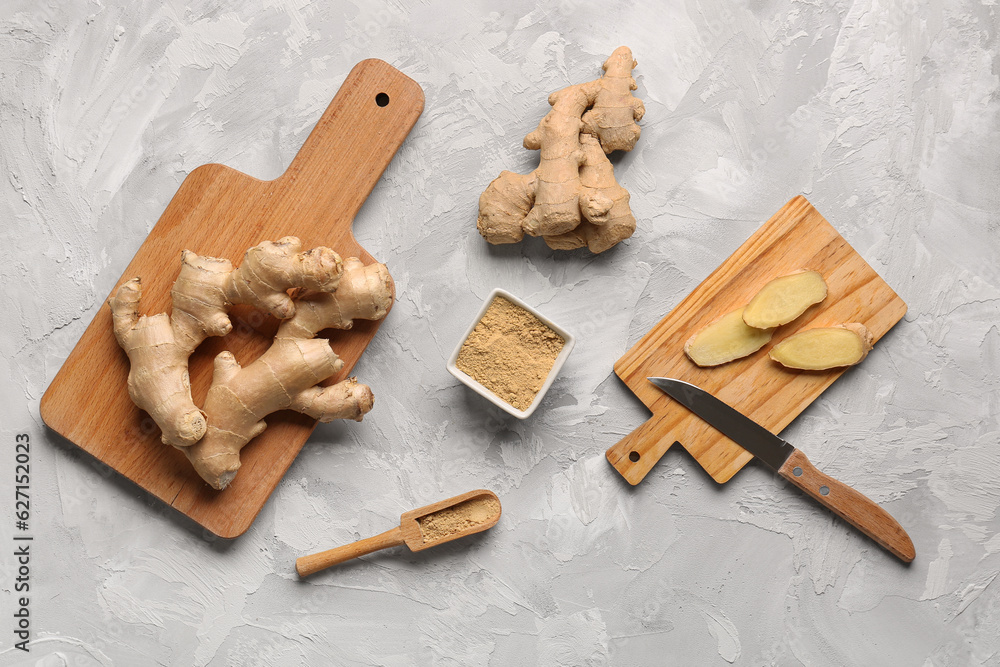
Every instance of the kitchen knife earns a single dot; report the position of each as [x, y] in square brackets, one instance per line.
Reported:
[792, 464]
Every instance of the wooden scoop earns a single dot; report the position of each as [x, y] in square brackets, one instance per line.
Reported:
[418, 529]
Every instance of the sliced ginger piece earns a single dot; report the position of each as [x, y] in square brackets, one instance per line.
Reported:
[824, 347]
[725, 339]
[784, 299]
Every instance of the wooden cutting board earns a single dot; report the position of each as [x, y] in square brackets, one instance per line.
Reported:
[797, 237]
[221, 212]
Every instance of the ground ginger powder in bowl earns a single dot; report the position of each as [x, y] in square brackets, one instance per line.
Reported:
[510, 352]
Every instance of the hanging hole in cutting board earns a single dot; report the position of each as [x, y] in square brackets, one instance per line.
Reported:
[382, 99]
[633, 456]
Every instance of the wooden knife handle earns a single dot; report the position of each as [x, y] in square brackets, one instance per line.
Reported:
[316, 562]
[851, 506]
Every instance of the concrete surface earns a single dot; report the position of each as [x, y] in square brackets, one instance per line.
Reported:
[884, 114]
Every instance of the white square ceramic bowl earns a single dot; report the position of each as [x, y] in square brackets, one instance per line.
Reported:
[486, 393]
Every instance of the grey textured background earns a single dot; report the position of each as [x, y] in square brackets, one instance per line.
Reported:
[884, 114]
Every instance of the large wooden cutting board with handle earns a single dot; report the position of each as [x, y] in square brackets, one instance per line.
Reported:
[221, 212]
[797, 237]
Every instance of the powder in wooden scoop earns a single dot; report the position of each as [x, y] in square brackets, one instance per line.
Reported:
[510, 352]
[455, 519]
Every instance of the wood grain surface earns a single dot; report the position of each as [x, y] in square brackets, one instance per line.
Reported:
[313, 563]
[221, 212]
[796, 237]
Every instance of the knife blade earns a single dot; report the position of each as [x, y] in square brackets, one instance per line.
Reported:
[789, 462]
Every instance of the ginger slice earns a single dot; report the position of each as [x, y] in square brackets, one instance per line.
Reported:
[725, 339]
[784, 299]
[824, 347]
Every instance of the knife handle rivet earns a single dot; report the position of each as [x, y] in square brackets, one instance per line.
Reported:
[633, 456]
[824, 490]
[797, 471]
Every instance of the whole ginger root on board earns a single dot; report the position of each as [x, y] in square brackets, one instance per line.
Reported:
[329, 293]
[572, 199]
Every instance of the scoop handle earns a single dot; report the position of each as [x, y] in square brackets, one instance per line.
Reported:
[307, 565]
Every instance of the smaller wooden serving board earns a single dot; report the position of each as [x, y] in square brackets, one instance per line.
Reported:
[796, 237]
[220, 212]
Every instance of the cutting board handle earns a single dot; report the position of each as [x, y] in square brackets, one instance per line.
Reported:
[636, 454]
[380, 101]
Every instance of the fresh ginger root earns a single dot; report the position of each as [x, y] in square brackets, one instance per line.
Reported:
[285, 376]
[824, 347]
[784, 299]
[726, 339]
[572, 199]
[364, 293]
[158, 347]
